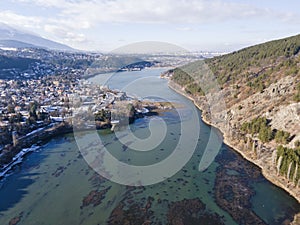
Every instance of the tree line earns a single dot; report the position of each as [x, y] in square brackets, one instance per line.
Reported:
[290, 160]
[261, 127]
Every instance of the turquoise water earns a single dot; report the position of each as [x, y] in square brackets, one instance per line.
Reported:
[51, 185]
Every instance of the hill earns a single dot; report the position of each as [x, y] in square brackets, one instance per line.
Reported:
[253, 97]
[10, 67]
[33, 63]
[254, 68]
[12, 37]
[15, 44]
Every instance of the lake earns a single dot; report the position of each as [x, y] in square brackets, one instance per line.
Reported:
[151, 173]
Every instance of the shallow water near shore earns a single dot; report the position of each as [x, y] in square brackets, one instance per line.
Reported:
[55, 185]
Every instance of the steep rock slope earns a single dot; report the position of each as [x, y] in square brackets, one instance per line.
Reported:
[253, 97]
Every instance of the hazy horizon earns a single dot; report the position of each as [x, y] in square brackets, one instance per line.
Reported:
[217, 25]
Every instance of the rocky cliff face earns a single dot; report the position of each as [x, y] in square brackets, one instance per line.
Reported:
[283, 114]
[260, 82]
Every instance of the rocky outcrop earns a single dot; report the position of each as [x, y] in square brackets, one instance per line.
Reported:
[287, 118]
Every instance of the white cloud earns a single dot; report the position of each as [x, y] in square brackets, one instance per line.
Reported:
[64, 33]
[43, 3]
[153, 11]
[17, 20]
[73, 19]
[184, 29]
[82, 14]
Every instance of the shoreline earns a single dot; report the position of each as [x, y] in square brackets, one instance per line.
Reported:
[12, 155]
[17, 160]
[227, 141]
[118, 71]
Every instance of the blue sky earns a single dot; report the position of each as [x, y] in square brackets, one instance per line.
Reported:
[214, 25]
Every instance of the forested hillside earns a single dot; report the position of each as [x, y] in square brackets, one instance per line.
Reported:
[253, 68]
[16, 64]
[260, 86]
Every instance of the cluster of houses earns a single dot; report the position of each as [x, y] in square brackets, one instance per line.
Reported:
[27, 105]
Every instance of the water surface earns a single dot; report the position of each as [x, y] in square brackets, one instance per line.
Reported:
[55, 185]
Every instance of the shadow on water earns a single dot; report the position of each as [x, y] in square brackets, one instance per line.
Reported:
[9, 195]
[14, 187]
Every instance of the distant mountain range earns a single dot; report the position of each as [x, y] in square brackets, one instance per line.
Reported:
[15, 38]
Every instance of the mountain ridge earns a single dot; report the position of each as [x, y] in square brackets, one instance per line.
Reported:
[9, 34]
